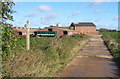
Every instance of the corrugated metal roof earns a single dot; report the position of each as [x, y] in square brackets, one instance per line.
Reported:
[83, 24]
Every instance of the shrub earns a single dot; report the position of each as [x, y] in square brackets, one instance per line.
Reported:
[8, 40]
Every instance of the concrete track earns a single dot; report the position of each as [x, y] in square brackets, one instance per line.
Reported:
[94, 60]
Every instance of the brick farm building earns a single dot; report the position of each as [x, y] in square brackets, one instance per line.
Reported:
[84, 27]
[87, 28]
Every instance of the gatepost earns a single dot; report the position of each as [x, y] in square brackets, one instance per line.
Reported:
[28, 35]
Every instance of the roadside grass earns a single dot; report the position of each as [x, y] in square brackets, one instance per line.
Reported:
[114, 35]
[112, 41]
[47, 56]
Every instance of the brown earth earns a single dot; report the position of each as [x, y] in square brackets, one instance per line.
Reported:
[94, 60]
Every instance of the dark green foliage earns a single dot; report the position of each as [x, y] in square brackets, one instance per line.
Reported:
[7, 34]
[6, 11]
[106, 30]
[8, 40]
[9, 45]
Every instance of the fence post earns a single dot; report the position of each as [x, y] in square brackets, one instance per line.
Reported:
[28, 35]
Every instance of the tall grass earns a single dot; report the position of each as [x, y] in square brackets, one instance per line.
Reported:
[114, 35]
[112, 41]
[47, 56]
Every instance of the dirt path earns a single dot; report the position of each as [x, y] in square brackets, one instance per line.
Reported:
[93, 61]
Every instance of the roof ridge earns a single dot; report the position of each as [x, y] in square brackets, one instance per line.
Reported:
[84, 24]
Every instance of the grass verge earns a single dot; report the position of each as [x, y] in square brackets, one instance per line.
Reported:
[113, 47]
[46, 57]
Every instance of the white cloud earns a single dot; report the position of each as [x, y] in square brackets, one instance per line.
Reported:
[93, 4]
[98, 2]
[74, 14]
[116, 18]
[48, 19]
[50, 16]
[99, 10]
[41, 8]
[108, 26]
[93, 20]
[44, 8]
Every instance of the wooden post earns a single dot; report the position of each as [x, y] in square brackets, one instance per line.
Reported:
[28, 35]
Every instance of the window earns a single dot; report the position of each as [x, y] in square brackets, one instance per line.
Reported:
[49, 29]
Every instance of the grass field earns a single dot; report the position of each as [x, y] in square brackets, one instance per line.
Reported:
[46, 56]
[114, 35]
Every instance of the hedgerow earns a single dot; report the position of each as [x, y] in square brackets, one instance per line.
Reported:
[8, 40]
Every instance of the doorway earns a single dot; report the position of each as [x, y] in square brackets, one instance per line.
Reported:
[65, 33]
[20, 33]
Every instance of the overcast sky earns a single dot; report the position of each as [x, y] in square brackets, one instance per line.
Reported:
[42, 14]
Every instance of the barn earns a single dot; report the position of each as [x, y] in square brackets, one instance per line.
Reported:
[58, 31]
[21, 31]
[88, 28]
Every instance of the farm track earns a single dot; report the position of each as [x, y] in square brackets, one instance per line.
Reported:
[94, 60]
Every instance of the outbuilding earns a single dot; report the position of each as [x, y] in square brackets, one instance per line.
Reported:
[88, 28]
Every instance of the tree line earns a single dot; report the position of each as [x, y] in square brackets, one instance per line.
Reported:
[107, 30]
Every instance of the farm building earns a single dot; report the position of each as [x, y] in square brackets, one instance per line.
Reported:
[55, 31]
[84, 27]
[80, 27]
[21, 31]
